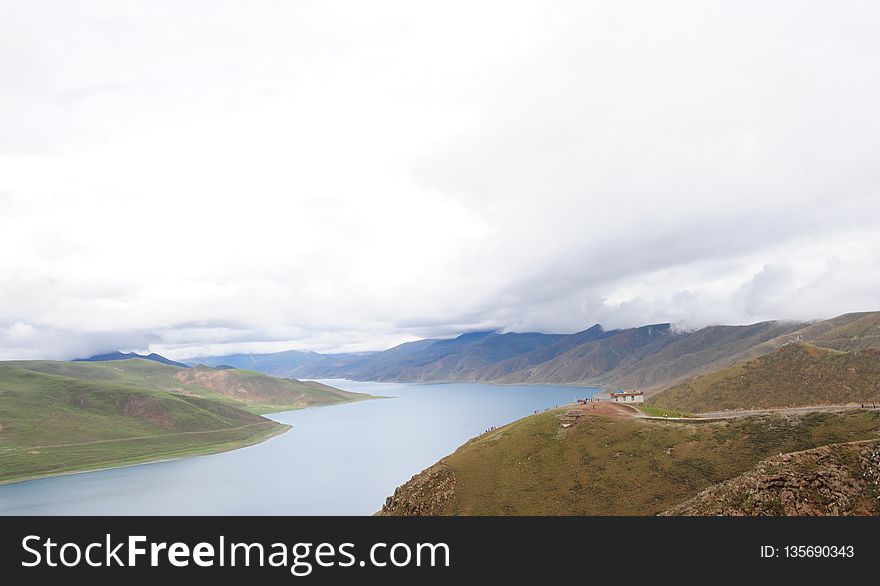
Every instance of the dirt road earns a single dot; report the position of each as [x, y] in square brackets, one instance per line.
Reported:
[794, 410]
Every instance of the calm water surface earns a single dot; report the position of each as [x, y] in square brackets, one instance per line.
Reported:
[340, 460]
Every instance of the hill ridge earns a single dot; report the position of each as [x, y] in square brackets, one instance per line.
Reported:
[117, 355]
[794, 375]
[136, 410]
[651, 357]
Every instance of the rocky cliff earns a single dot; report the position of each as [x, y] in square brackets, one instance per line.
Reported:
[426, 494]
[839, 479]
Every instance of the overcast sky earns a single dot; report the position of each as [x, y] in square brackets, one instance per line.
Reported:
[203, 177]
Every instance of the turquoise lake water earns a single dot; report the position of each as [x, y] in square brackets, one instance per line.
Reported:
[340, 460]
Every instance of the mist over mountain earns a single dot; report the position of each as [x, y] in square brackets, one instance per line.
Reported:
[277, 364]
[349, 184]
[651, 357]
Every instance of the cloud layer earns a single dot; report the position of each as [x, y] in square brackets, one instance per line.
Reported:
[207, 177]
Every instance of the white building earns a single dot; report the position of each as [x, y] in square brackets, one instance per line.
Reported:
[631, 396]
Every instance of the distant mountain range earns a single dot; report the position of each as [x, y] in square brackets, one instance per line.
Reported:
[126, 356]
[278, 364]
[737, 462]
[650, 357]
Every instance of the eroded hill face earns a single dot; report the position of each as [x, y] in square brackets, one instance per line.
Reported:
[795, 375]
[611, 465]
[841, 479]
[257, 390]
[429, 493]
[225, 382]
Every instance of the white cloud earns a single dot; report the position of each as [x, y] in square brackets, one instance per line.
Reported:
[20, 331]
[217, 176]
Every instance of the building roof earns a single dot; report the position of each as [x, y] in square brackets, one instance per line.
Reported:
[630, 393]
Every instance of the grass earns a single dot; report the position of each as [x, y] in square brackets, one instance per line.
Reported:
[625, 466]
[793, 376]
[852, 332]
[58, 417]
[19, 464]
[246, 389]
[653, 411]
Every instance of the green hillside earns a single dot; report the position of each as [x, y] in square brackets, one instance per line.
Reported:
[53, 424]
[247, 389]
[610, 465]
[59, 417]
[795, 375]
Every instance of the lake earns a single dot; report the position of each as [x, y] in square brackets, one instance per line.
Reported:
[339, 460]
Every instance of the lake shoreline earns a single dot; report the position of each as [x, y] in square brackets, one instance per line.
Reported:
[337, 462]
[467, 382]
[196, 452]
[256, 440]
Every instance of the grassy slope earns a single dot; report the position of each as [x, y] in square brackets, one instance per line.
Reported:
[63, 416]
[795, 375]
[848, 332]
[696, 353]
[53, 424]
[247, 389]
[654, 411]
[624, 466]
[260, 393]
[716, 347]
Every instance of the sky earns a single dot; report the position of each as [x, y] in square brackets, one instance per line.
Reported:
[207, 177]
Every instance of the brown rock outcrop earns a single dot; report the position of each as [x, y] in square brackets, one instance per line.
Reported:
[427, 493]
[838, 479]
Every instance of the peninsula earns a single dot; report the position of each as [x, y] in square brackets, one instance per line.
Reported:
[61, 417]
